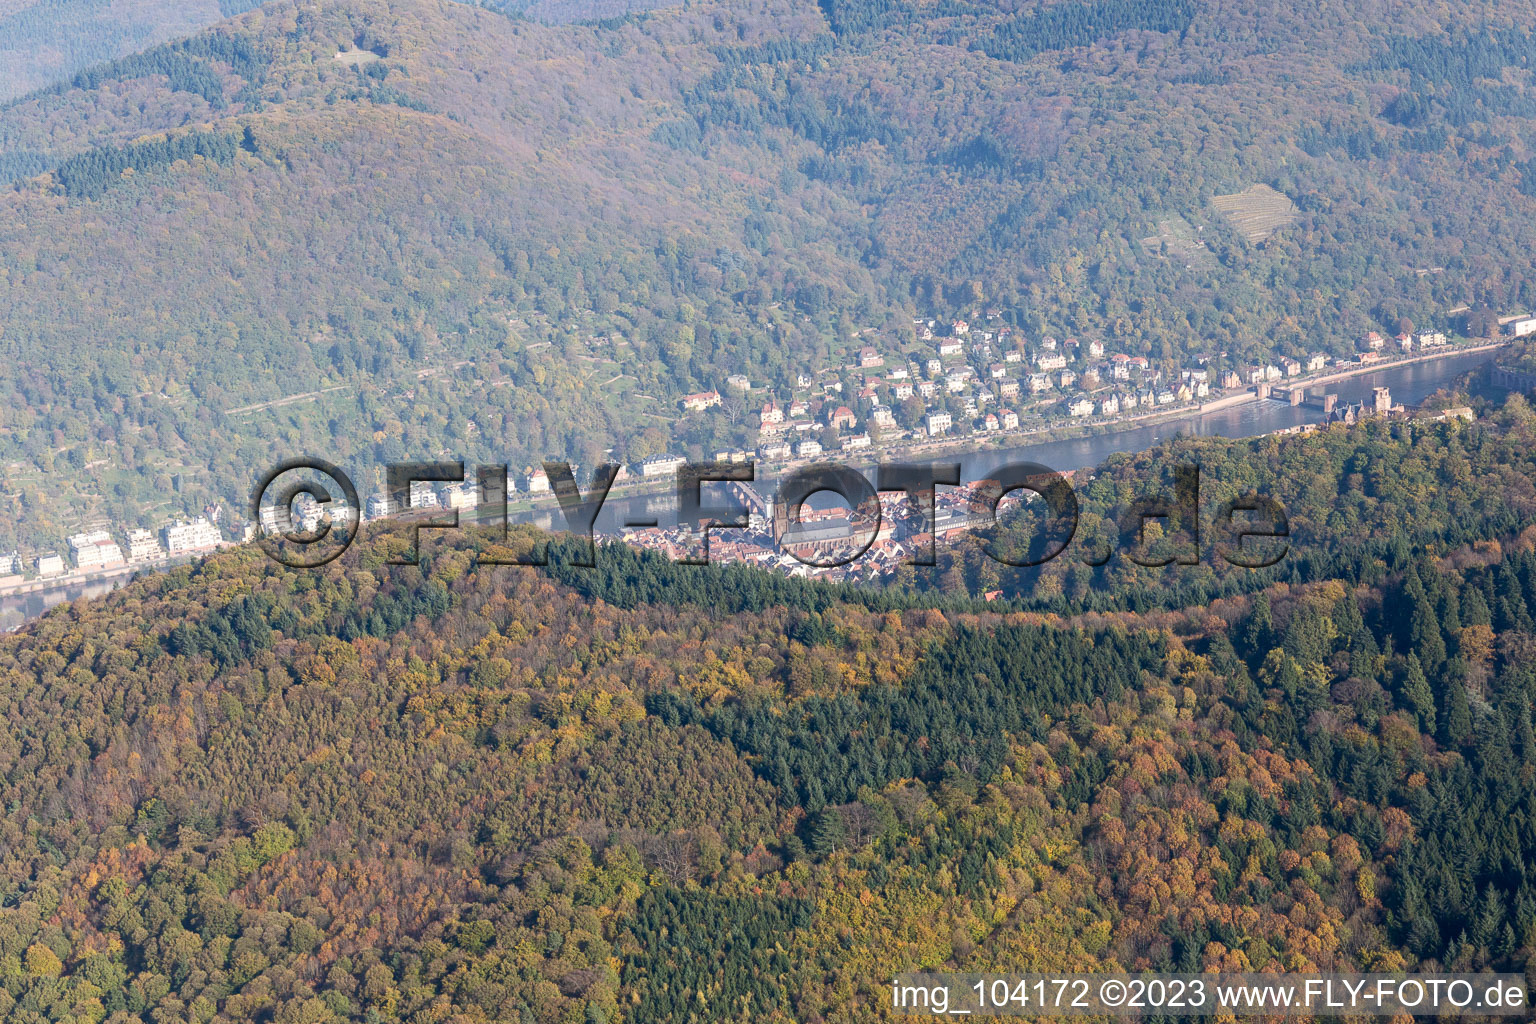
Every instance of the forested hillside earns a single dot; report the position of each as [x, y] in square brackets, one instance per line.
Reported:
[456, 792]
[437, 227]
[1357, 503]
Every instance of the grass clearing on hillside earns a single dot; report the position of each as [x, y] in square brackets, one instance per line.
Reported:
[1177, 240]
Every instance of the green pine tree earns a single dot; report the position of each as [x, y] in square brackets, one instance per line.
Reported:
[1424, 636]
[827, 831]
[1418, 694]
[1457, 715]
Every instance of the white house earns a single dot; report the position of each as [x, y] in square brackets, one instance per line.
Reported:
[939, 423]
[187, 537]
[700, 401]
[1520, 326]
[422, 496]
[96, 550]
[459, 496]
[1080, 407]
[143, 547]
[661, 465]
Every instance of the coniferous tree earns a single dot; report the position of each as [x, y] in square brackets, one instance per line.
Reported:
[1424, 636]
[1258, 633]
[1456, 714]
[1419, 696]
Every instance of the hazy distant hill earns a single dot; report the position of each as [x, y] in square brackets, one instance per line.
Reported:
[507, 239]
[46, 42]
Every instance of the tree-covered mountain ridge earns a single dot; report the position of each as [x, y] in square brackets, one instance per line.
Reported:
[463, 793]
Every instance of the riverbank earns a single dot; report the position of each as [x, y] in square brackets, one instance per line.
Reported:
[1235, 415]
[1393, 364]
[77, 578]
[971, 444]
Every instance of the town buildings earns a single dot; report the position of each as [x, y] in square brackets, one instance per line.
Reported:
[143, 546]
[191, 537]
[701, 401]
[661, 465]
[95, 550]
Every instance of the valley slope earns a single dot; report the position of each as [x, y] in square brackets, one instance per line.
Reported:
[458, 792]
[505, 239]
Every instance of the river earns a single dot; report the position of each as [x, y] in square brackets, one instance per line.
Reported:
[18, 608]
[1410, 384]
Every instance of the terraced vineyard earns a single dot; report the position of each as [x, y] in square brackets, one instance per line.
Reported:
[1258, 211]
